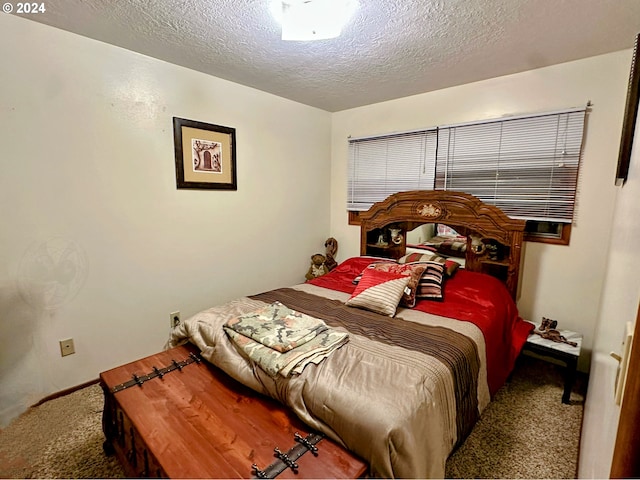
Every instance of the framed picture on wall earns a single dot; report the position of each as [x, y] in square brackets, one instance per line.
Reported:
[205, 155]
[630, 115]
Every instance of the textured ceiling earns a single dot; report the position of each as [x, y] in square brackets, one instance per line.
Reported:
[390, 48]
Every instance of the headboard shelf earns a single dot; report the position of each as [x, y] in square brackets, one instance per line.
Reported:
[467, 214]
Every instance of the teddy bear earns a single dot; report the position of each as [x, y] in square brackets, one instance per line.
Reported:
[318, 267]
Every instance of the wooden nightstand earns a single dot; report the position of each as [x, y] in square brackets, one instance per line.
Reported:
[562, 352]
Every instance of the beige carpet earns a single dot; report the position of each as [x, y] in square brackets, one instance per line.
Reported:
[526, 432]
[61, 438]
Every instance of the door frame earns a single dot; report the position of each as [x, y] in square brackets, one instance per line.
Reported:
[626, 453]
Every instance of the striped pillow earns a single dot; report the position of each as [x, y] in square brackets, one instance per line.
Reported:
[450, 265]
[379, 291]
[430, 285]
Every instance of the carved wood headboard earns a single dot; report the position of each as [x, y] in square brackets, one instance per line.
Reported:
[466, 213]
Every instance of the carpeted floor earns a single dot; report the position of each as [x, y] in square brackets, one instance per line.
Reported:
[526, 432]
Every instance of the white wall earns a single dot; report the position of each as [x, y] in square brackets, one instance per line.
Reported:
[86, 161]
[87, 174]
[561, 282]
[620, 298]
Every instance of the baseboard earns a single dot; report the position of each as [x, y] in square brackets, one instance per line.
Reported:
[66, 391]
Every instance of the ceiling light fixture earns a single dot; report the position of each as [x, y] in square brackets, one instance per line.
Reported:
[304, 20]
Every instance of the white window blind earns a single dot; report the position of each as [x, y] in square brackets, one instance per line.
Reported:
[383, 165]
[527, 166]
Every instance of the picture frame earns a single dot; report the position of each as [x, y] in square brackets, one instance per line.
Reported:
[630, 115]
[205, 155]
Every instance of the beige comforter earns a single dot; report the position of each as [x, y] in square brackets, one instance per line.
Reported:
[400, 394]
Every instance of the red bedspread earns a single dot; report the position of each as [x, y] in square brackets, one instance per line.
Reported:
[468, 296]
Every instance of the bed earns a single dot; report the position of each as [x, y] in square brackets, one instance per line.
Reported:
[416, 362]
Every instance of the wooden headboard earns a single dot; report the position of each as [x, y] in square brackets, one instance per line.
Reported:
[464, 212]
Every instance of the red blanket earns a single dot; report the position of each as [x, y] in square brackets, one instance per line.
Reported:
[469, 296]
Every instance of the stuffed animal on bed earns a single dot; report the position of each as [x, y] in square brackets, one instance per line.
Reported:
[318, 267]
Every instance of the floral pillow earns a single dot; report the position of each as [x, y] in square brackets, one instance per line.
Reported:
[379, 291]
[413, 271]
[450, 266]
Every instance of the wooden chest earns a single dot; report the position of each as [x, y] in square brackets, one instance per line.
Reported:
[197, 422]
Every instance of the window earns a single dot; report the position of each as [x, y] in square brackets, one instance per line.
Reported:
[527, 166]
[381, 166]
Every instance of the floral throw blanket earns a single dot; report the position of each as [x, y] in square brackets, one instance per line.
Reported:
[281, 340]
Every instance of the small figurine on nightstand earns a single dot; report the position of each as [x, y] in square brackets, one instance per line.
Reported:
[547, 329]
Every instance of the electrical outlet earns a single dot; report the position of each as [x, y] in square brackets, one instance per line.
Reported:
[174, 319]
[67, 347]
